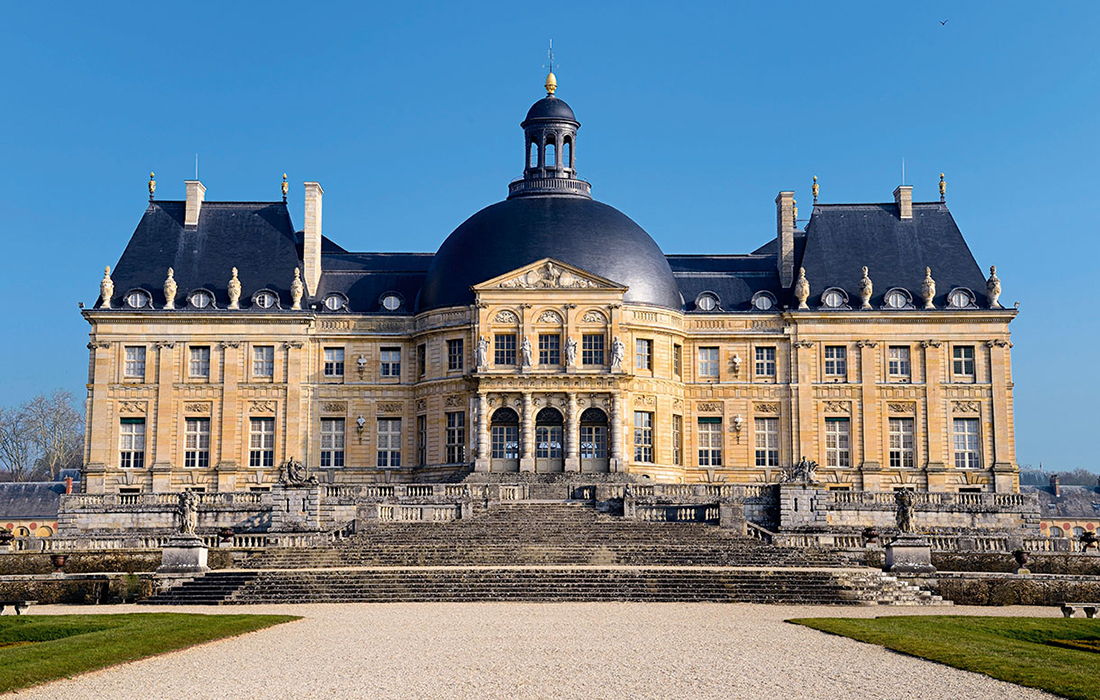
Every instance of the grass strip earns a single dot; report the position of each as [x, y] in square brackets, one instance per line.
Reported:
[48, 647]
[1013, 649]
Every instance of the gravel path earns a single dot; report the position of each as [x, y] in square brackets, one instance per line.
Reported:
[518, 651]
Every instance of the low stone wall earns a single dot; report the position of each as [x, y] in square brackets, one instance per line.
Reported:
[1009, 589]
[126, 561]
[83, 514]
[78, 589]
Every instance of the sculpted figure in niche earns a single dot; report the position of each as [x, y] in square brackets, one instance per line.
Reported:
[526, 350]
[570, 352]
[482, 352]
[189, 512]
[618, 352]
[904, 500]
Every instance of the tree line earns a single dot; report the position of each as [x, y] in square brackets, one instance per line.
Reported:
[41, 436]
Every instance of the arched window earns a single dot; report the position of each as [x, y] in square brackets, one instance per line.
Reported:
[567, 152]
[533, 156]
[548, 440]
[1056, 531]
[504, 443]
[1078, 531]
[551, 155]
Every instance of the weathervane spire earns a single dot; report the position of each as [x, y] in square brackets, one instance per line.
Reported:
[551, 79]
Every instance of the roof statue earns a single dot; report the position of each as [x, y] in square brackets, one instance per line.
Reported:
[802, 288]
[943, 188]
[993, 288]
[152, 185]
[814, 189]
[296, 290]
[928, 289]
[170, 288]
[234, 289]
[866, 289]
[106, 289]
[286, 187]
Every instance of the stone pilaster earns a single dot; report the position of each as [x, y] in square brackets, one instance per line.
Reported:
[99, 453]
[229, 446]
[481, 464]
[527, 442]
[295, 440]
[935, 467]
[803, 423]
[163, 426]
[1004, 454]
[870, 414]
[573, 437]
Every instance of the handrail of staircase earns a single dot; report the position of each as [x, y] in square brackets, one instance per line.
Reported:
[755, 531]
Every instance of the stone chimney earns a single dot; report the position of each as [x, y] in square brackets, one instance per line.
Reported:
[311, 239]
[784, 223]
[903, 197]
[68, 484]
[1055, 486]
[196, 193]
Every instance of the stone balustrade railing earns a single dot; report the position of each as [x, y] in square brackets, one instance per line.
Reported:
[108, 500]
[998, 501]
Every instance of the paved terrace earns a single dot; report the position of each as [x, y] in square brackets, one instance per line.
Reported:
[519, 651]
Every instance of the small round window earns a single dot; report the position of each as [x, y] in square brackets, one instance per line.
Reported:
[201, 299]
[763, 301]
[959, 299]
[707, 302]
[335, 302]
[833, 299]
[137, 299]
[391, 302]
[265, 299]
[896, 299]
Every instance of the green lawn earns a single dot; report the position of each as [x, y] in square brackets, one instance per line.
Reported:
[1024, 650]
[39, 648]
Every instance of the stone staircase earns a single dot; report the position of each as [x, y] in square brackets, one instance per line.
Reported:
[547, 552]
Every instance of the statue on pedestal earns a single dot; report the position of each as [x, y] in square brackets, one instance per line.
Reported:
[570, 352]
[482, 352]
[189, 512]
[904, 500]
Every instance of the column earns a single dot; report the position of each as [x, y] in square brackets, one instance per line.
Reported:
[870, 423]
[616, 433]
[935, 466]
[481, 464]
[573, 436]
[162, 437]
[527, 443]
[1004, 458]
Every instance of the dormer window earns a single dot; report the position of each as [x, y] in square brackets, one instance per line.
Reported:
[138, 299]
[834, 298]
[707, 301]
[391, 302]
[897, 299]
[336, 302]
[265, 299]
[200, 299]
[961, 298]
[763, 301]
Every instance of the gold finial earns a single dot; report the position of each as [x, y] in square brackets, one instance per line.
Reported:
[794, 213]
[551, 84]
[943, 188]
[285, 187]
[152, 185]
[815, 189]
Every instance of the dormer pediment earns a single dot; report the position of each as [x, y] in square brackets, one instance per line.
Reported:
[549, 274]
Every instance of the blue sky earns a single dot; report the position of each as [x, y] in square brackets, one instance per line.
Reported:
[694, 116]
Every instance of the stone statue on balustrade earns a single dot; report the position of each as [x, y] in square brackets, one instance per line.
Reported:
[482, 352]
[804, 472]
[905, 499]
[618, 354]
[294, 473]
[188, 510]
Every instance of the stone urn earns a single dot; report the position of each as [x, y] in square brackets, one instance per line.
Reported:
[869, 535]
[6, 537]
[226, 534]
[1022, 559]
[58, 561]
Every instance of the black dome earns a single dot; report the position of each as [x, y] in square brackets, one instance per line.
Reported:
[550, 108]
[574, 230]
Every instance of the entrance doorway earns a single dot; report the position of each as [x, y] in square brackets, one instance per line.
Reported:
[504, 450]
[549, 426]
[594, 442]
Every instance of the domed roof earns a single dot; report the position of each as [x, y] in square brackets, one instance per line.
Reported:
[550, 108]
[574, 230]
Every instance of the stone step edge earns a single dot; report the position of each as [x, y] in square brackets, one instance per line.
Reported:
[566, 567]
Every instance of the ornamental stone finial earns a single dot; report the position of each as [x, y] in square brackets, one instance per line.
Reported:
[794, 214]
[285, 187]
[234, 288]
[928, 289]
[943, 188]
[152, 185]
[170, 288]
[802, 288]
[296, 290]
[993, 288]
[106, 289]
[866, 289]
[814, 189]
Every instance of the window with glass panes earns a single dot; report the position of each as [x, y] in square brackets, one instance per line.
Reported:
[643, 354]
[421, 360]
[196, 443]
[767, 442]
[456, 437]
[504, 349]
[505, 441]
[836, 361]
[263, 361]
[455, 354]
[677, 440]
[837, 443]
[261, 442]
[709, 441]
[421, 440]
[967, 446]
[549, 349]
[593, 440]
[592, 349]
[332, 442]
[199, 363]
[765, 362]
[334, 362]
[963, 361]
[389, 362]
[901, 443]
[897, 363]
[708, 362]
[643, 436]
[389, 442]
[678, 360]
[135, 361]
[131, 443]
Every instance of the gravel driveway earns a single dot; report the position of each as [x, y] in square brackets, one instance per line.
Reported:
[516, 651]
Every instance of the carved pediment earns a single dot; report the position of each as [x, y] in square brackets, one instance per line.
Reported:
[549, 274]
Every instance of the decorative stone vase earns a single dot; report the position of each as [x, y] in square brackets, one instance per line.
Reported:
[6, 536]
[226, 534]
[1022, 559]
[58, 561]
[869, 535]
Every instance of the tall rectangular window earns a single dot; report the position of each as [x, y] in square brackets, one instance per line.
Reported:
[901, 443]
[332, 442]
[708, 362]
[767, 442]
[421, 360]
[898, 365]
[455, 354]
[263, 361]
[131, 443]
[389, 362]
[196, 443]
[505, 442]
[261, 442]
[504, 349]
[549, 349]
[643, 436]
[135, 361]
[334, 362]
[677, 440]
[593, 442]
[765, 362]
[710, 442]
[456, 437]
[678, 360]
[968, 453]
[592, 349]
[199, 363]
[389, 442]
[643, 354]
[836, 361]
[422, 440]
[963, 361]
[838, 451]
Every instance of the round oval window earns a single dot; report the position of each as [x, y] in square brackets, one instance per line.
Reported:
[833, 300]
[959, 299]
[201, 300]
[895, 300]
[707, 303]
[136, 300]
[763, 302]
[265, 300]
[334, 302]
[391, 302]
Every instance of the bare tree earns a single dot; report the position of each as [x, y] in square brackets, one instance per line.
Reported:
[17, 447]
[57, 427]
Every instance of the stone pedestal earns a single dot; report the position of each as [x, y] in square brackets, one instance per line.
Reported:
[909, 554]
[184, 554]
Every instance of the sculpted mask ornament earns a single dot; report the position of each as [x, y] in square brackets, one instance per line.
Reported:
[170, 290]
[296, 290]
[928, 288]
[802, 289]
[234, 288]
[993, 288]
[106, 289]
[866, 289]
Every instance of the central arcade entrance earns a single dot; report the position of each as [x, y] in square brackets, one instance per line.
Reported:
[549, 428]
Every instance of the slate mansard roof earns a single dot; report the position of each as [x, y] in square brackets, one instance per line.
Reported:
[27, 500]
[260, 240]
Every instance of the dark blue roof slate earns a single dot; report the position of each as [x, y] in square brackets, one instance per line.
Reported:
[734, 279]
[22, 500]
